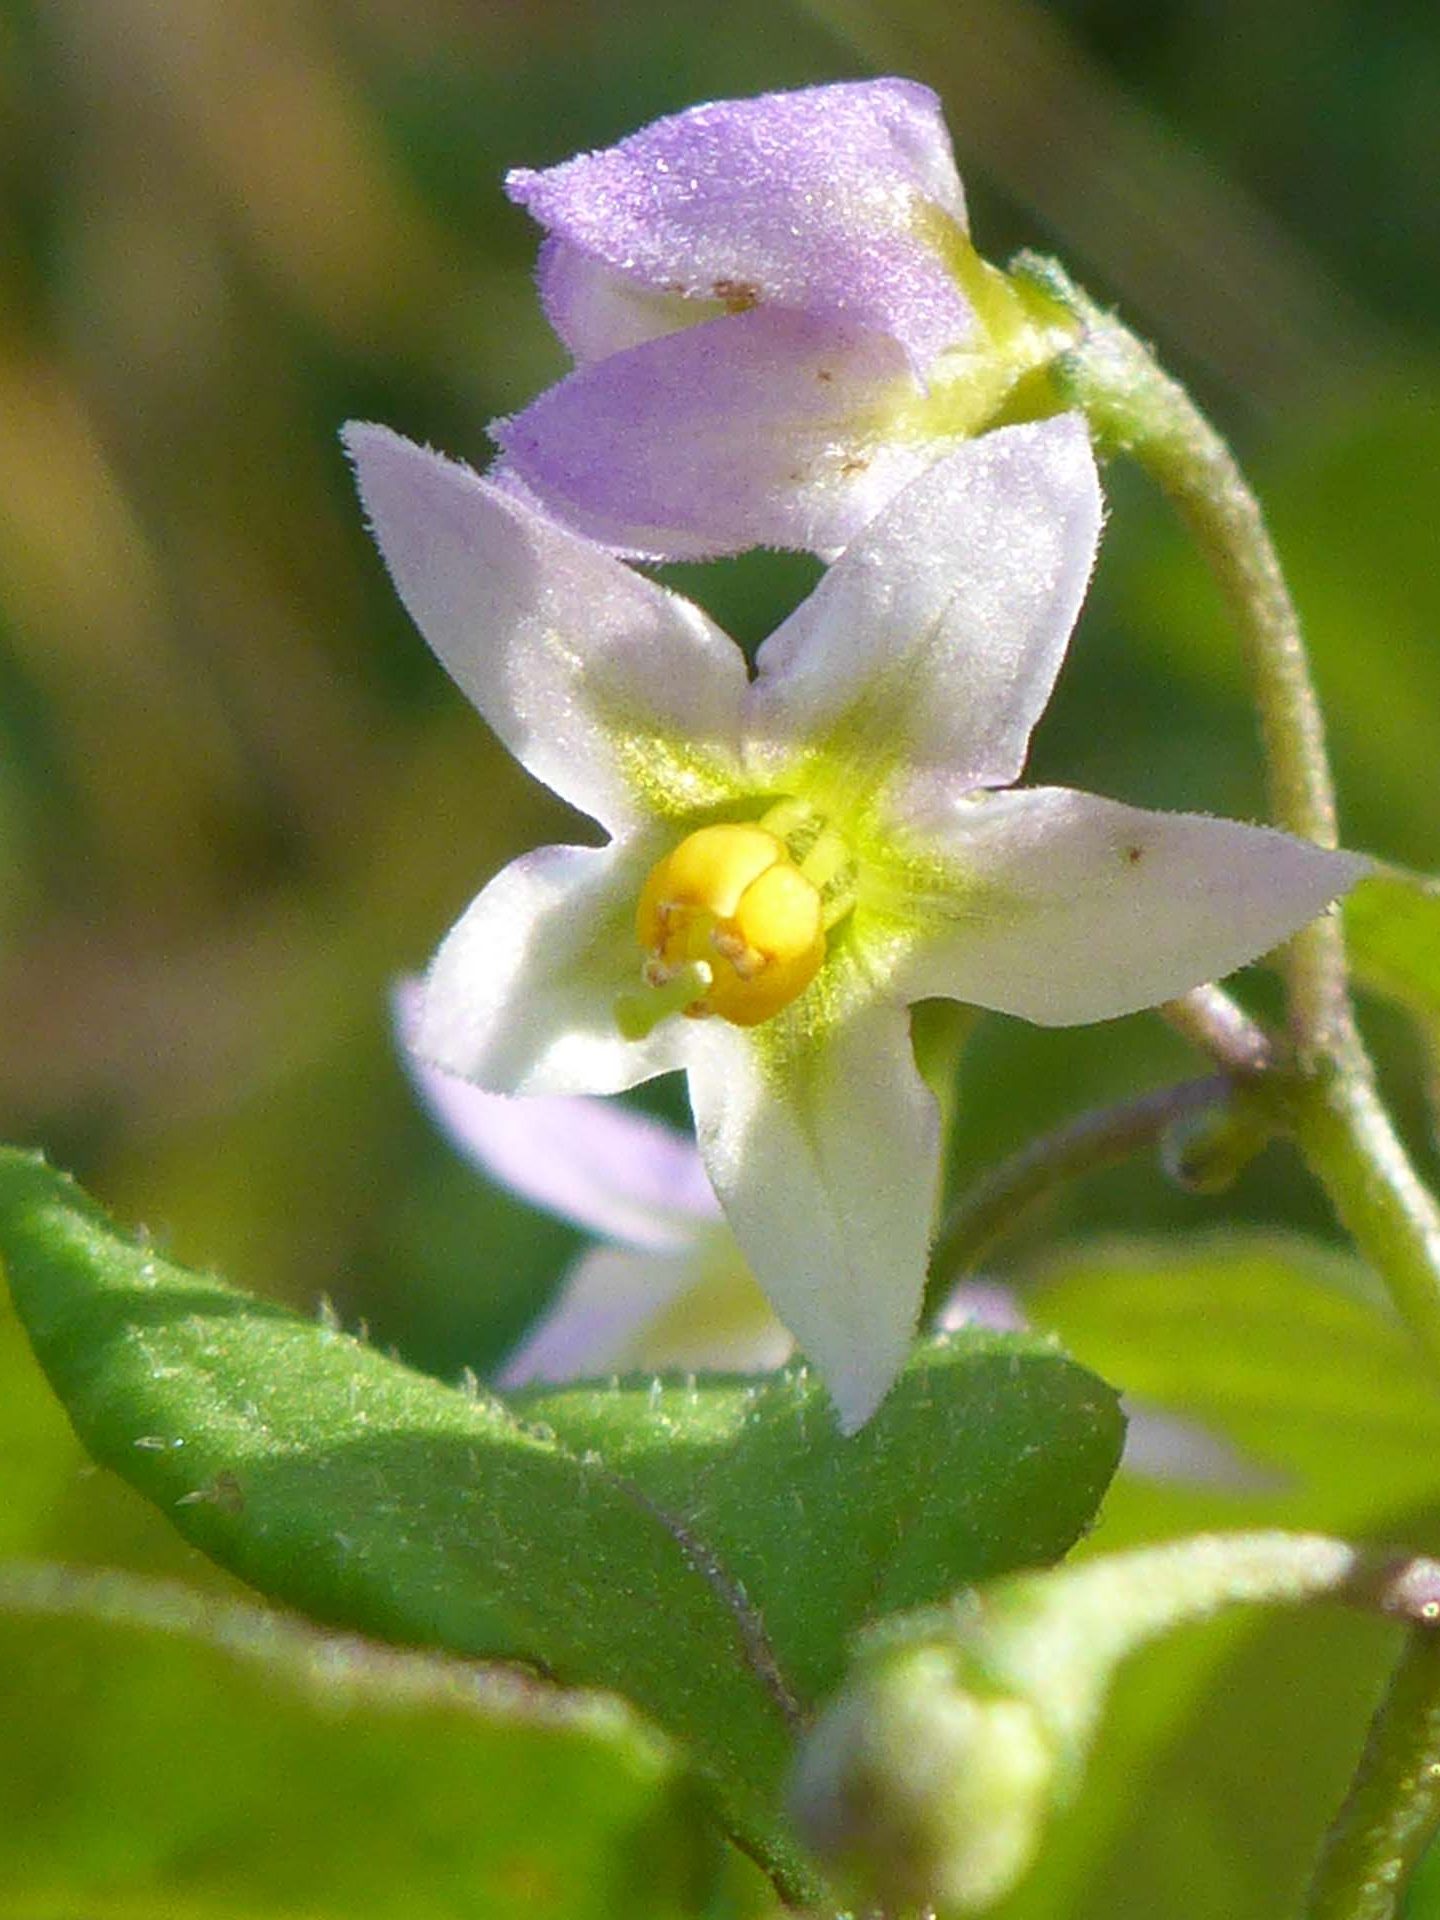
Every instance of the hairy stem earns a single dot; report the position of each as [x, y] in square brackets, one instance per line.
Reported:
[1342, 1128]
[1103, 1137]
[1220, 1026]
[1135, 407]
[1392, 1811]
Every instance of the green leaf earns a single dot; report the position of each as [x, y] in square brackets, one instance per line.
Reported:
[366, 1495]
[703, 1550]
[1278, 1345]
[1283, 1348]
[991, 1453]
[1392, 923]
[54, 1504]
[160, 1753]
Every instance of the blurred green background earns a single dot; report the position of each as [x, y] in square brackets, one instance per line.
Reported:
[237, 796]
[236, 793]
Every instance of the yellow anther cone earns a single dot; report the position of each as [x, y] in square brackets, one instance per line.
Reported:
[730, 896]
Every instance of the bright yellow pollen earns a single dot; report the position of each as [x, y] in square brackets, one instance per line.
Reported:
[731, 898]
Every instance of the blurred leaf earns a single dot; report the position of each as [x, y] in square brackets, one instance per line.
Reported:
[1422, 1900]
[1280, 1346]
[1392, 921]
[161, 1753]
[1244, 1734]
[991, 1453]
[1243, 1731]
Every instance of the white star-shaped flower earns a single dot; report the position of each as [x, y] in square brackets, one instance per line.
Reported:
[796, 858]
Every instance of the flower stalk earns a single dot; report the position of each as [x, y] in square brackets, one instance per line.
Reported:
[1101, 1137]
[1336, 1116]
[1392, 1812]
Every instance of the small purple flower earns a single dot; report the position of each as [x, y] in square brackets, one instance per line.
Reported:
[777, 320]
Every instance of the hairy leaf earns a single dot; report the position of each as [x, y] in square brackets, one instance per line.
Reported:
[703, 1550]
[991, 1453]
[367, 1495]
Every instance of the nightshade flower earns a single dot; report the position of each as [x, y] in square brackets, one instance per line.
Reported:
[796, 859]
[777, 319]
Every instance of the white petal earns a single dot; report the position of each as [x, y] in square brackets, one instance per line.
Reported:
[607, 1298]
[935, 639]
[1064, 908]
[824, 1149]
[593, 1162]
[622, 697]
[621, 1312]
[521, 996]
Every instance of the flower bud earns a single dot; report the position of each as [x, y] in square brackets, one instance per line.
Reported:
[923, 1789]
[1207, 1152]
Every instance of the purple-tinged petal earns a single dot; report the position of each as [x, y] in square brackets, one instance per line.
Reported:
[608, 1297]
[620, 696]
[597, 311]
[935, 639]
[521, 996]
[620, 1312]
[1175, 1450]
[764, 429]
[831, 201]
[1064, 908]
[593, 1162]
[823, 1143]
[981, 1303]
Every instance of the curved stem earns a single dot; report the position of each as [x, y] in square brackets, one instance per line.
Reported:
[1136, 408]
[1100, 1138]
[1345, 1133]
[1220, 1026]
[1350, 1141]
[1392, 1811]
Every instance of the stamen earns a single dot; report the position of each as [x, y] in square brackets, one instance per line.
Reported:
[667, 991]
[732, 922]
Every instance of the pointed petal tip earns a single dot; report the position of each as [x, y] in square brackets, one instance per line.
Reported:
[397, 477]
[1314, 877]
[519, 183]
[859, 1391]
[363, 440]
[1349, 869]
